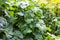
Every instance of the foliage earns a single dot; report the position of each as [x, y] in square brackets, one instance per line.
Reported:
[29, 20]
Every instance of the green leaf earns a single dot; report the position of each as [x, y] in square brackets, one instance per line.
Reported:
[11, 13]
